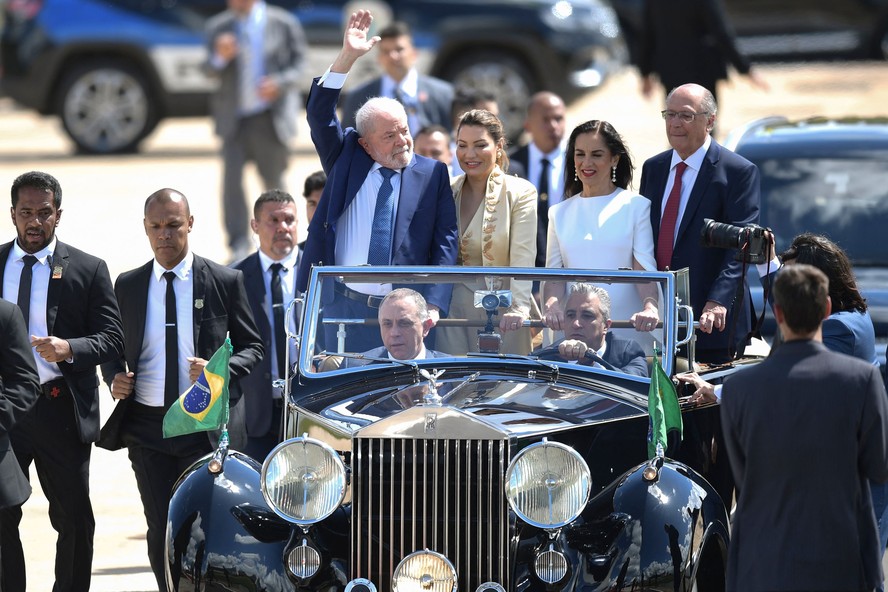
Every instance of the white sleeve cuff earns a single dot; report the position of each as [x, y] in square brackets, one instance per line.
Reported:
[762, 268]
[717, 389]
[334, 80]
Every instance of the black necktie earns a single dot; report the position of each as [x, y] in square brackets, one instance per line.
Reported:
[543, 185]
[171, 374]
[24, 295]
[542, 212]
[277, 310]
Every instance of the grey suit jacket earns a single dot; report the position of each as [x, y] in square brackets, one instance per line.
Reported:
[284, 53]
[435, 99]
[804, 430]
[19, 385]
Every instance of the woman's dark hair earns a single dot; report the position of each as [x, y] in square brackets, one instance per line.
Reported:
[828, 257]
[614, 143]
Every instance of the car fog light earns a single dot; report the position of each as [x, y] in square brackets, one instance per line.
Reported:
[303, 480]
[360, 585]
[548, 484]
[304, 561]
[550, 566]
[490, 587]
[424, 571]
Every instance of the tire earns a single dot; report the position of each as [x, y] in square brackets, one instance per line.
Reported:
[106, 107]
[502, 74]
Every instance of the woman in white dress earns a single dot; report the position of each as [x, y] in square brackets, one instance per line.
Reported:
[601, 225]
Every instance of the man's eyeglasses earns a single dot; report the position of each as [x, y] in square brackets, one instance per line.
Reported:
[684, 116]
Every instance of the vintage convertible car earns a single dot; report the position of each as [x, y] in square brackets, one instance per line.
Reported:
[477, 471]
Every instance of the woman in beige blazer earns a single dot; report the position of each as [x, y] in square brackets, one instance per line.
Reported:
[497, 213]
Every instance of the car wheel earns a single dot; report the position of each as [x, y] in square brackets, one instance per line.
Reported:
[503, 75]
[105, 107]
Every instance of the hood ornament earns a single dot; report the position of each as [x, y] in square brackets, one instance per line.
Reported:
[432, 397]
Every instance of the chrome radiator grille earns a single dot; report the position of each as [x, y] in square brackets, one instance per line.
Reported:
[443, 495]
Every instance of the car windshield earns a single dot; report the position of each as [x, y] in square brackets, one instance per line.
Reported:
[339, 331]
[846, 200]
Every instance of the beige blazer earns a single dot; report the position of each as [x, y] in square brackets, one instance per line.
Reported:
[508, 230]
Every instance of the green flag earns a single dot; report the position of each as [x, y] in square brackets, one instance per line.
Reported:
[204, 406]
[663, 408]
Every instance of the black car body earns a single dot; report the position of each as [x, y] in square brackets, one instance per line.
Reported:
[487, 472]
[111, 69]
[825, 176]
[791, 30]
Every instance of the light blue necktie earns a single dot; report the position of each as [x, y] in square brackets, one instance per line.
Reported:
[380, 249]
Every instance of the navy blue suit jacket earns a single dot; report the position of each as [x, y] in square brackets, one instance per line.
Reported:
[425, 230]
[256, 385]
[624, 354]
[726, 190]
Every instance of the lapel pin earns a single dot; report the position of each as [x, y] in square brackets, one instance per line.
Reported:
[198, 303]
[57, 272]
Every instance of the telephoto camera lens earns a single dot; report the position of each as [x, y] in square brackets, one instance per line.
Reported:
[721, 235]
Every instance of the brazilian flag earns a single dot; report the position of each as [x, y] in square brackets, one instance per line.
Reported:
[663, 408]
[204, 406]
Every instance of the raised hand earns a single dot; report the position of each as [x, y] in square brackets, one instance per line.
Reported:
[355, 42]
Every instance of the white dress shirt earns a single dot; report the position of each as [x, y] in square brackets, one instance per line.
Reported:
[41, 274]
[152, 360]
[288, 289]
[556, 170]
[694, 162]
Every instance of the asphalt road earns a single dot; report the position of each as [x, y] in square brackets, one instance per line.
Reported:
[102, 205]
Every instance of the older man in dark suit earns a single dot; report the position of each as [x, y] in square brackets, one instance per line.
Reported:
[256, 51]
[588, 341]
[19, 385]
[270, 279]
[805, 429]
[72, 316]
[426, 99]
[381, 205]
[700, 179]
[177, 310]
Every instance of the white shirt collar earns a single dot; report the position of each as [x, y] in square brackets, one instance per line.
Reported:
[182, 270]
[409, 86]
[42, 255]
[420, 356]
[289, 262]
[695, 160]
[534, 153]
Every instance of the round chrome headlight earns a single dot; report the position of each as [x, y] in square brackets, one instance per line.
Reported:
[548, 484]
[424, 571]
[303, 480]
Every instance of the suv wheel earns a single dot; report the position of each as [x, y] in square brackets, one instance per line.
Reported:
[105, 107]
[503, 75]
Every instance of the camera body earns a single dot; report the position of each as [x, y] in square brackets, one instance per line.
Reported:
[750, 241]
[491, 300]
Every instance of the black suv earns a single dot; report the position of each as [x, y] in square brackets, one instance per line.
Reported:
[111, 69]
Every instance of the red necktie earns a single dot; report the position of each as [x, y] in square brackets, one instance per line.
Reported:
[670, 217]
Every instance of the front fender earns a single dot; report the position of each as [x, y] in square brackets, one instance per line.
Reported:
[221, 534]
[669, 521]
